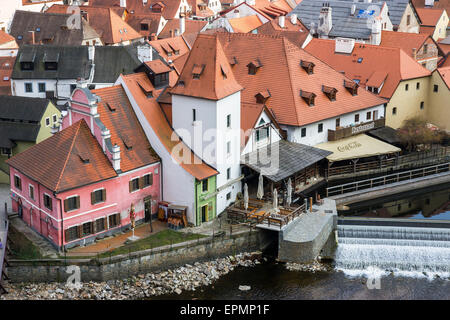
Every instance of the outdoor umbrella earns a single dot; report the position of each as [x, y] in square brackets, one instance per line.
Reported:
[245, 196]
[260, 192]
[275, 198]
[289, 192]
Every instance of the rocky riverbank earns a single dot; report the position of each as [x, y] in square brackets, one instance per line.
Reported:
[188, 277]
[314, 266]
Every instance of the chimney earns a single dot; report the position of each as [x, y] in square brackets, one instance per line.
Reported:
[325, 20]
[375, 37]
[144, 2]
[414, 53]
[182, 24]
[353, 9]
[91, 52]
[123, 3]
[171, 33]
[281, 20]
[116, 157]
[33, 37]
[153, 37]
[106, 134]
[144, 53]
[81, 83]
[54, 129]
[294, 18]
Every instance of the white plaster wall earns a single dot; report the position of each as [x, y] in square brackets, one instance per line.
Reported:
[178, 186]
[313, 137]
[208, 136]
[244, 11]
[274, 136]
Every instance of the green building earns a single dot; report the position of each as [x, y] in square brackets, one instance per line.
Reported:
[205, 192]
[24, 122]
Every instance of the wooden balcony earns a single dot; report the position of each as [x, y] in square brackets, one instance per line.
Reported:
[341, 133]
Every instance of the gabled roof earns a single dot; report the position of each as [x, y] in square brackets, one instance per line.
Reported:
[191, 26]
[206, 73]
[73, 62]
[50, 28]
[274, 25]
[5, 38]
[283, 76]
[393, 61]
[161, 127]
[167, 46]
[429, 16]
[22, 109]
[151, 19]
[245, 24]
[105, 21]
[444, 4]
[6, 68]
[445, 75]
[138, 6]
[117, 114]
[57, 164]
[404, 41]
[272, 8]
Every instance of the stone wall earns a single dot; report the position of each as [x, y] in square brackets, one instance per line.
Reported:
[124, 266]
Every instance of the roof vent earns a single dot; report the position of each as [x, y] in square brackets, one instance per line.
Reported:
[253, 66]
[308, 97]
[197, 71]
[84, 158]
[330, 92]
[110, 107]
[263, 96]
[352, 87]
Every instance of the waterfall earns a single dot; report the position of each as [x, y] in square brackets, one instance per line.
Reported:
[408, 251]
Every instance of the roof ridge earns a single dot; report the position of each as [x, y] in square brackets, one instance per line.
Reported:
[79, 123]
[283, 39]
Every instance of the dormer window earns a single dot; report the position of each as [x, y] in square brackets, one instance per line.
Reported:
[127, 142]
[233, 61]
[147, 91]
[307, 66]
[352, 87]
[197, 71]
[253, 66]
[330, 92]
[27, 60]
[144, 26]
[309, 97]
[263, 96]
[224, 74]
[51, 61]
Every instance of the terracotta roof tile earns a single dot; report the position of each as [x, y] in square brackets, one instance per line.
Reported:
[164, 47]
[367, 59]
[403, 40]
[429, 16]
[124, 128]
[56, 160]
[160, 125]
[282, 74]
[445, 75]
[111, 28]
[245, 24]
[191, 26]
[157, 66]
[5, 38]
[206, 73]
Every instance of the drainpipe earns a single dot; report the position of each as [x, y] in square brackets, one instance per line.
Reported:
[62, 224]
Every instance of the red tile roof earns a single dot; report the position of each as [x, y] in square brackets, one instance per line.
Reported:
[274, 25]
[157, 66]
[403, 40]
[56, 162]
[245, 24]
[445, 75]
[166, 47]
[283, 76]
[124, 128]
[111, 28]
[191, 26]
[429, 16]
[160, 125]
[393, 61]
[207, 73]
[5, 38]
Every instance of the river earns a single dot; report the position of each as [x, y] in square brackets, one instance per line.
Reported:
[271, 280]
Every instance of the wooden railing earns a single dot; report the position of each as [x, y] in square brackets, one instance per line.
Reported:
[341, 133]
[387, 179]
[418, 158]
[285, 216]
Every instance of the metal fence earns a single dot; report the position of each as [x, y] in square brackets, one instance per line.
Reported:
[387, 179]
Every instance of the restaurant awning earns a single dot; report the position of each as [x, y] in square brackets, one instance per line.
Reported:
[359, 146]
[282, 159]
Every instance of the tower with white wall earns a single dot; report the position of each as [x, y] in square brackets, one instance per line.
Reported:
[206, 113]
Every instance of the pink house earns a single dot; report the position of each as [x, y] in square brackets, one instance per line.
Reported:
[80, 184]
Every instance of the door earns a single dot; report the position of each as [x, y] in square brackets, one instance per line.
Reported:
[147, 208]
[375, 115]
[204, 213]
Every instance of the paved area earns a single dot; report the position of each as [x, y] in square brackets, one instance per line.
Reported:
[4, 197]
[142, 231]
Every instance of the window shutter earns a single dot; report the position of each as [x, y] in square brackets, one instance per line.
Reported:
[50, 205]
[78, 202]
[66, 205]
[106, 223]
[80, 231]
[130, 185]
[141, 182]
[94, 227]
[93, 197]
[104, 194]
[66, 235]
[117, 219]
[151, 179]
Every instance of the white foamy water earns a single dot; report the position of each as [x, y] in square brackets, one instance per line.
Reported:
[374, 251]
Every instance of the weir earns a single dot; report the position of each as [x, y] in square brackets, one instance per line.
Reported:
[398, 245]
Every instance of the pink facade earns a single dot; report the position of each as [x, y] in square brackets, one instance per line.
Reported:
[53, 223]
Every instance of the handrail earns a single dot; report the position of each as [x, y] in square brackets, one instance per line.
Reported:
[387, 179]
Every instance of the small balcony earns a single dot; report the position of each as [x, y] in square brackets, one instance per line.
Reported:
[341, 133]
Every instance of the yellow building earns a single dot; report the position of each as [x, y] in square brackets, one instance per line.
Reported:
[434, 21]
[438, 112]
[24, 123]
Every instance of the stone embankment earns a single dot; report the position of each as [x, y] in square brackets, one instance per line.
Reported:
[188, 277]
[314, 266]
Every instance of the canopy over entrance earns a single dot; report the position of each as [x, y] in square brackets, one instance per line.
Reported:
[359, 146]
